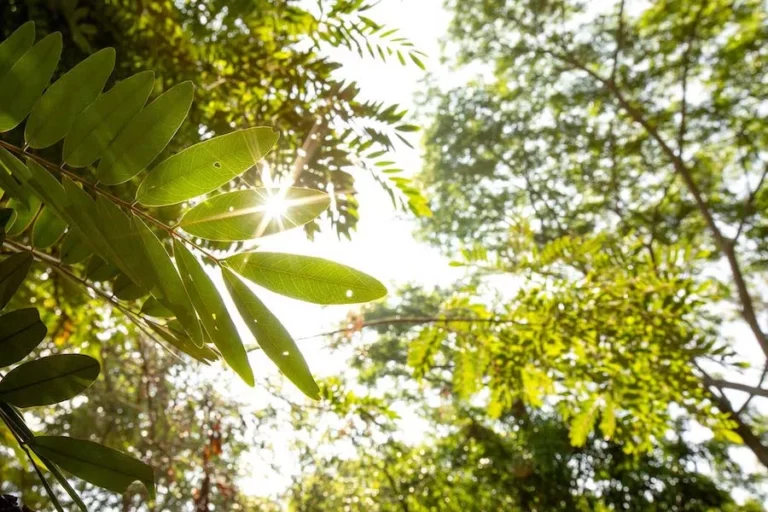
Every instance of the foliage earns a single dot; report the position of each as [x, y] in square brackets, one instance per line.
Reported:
[128, 261]
[609, 165]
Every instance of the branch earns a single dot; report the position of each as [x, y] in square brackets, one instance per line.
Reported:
[752, 390]
[619, 42]
[686, 66]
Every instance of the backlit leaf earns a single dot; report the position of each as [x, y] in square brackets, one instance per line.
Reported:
[98, 125]
[213, 312]
[146, 135]
[24, 82]
[205, 167]
[247, 214]
[53, 114]
[307, 278]
[15, 46]
[271, 336]
[73, 249]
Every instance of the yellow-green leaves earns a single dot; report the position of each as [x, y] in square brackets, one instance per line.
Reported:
[20, 332]
[146, 135]
[98, 125]
[307, 278]
[54, 113]
[48, 380]
[248, 214]
[22, 85]
[213, 313]
[94, 463]
[271, 336]
[17, 44]
[205, 167]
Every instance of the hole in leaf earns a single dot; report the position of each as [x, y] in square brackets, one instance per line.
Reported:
[286, 353]
[217, 165]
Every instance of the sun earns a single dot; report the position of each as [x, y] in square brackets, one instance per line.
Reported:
[276, 206]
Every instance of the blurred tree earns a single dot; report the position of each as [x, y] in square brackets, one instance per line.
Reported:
[610, 161]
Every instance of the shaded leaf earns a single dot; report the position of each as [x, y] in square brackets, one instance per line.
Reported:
[48, 380]
[307, 278]
[153, 307]
[13, 270]
[24, 214]
[181, 341]
[205, 167]
[125, 289]
[94, 463]
[73, 249]
[20, 332]
[48, 229]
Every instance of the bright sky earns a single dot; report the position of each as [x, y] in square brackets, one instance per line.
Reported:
[382, 246]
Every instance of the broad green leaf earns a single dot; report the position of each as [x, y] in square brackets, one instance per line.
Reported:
[94, 463]
[5, 217]
[73, 249]
[47, 188]
[48, 229]
[125, 289]
[15, 46]
[307, 278]
[98, 125]
[213, 313]
[271, 336]
[23, 84]
[169, 286]
[205, 167]
[13, 177]
[248, 214]
[53, 114]
[48, 380]
[13, 270]
[99, 270]
[20, 332]
[23, 216]
[180, 340]
[153, 307]
[146, 135]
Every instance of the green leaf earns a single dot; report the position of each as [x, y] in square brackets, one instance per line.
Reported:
[48, 229]
[13, 270]
[205, 167]
[15, 46]
[125, 289]
[98, 125]
[5, 217]
[168, 284]
[24, 83]
[213, 313]
[20, 332]
[53, 114]
[178, 339]
[146, 135]
[99, 270]
[23, 216]
[94, 463]
[73, 249]
[153, 307]
[13, 175]
[48, 380]
[307, 278]
[248, 214]
[271, 336]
